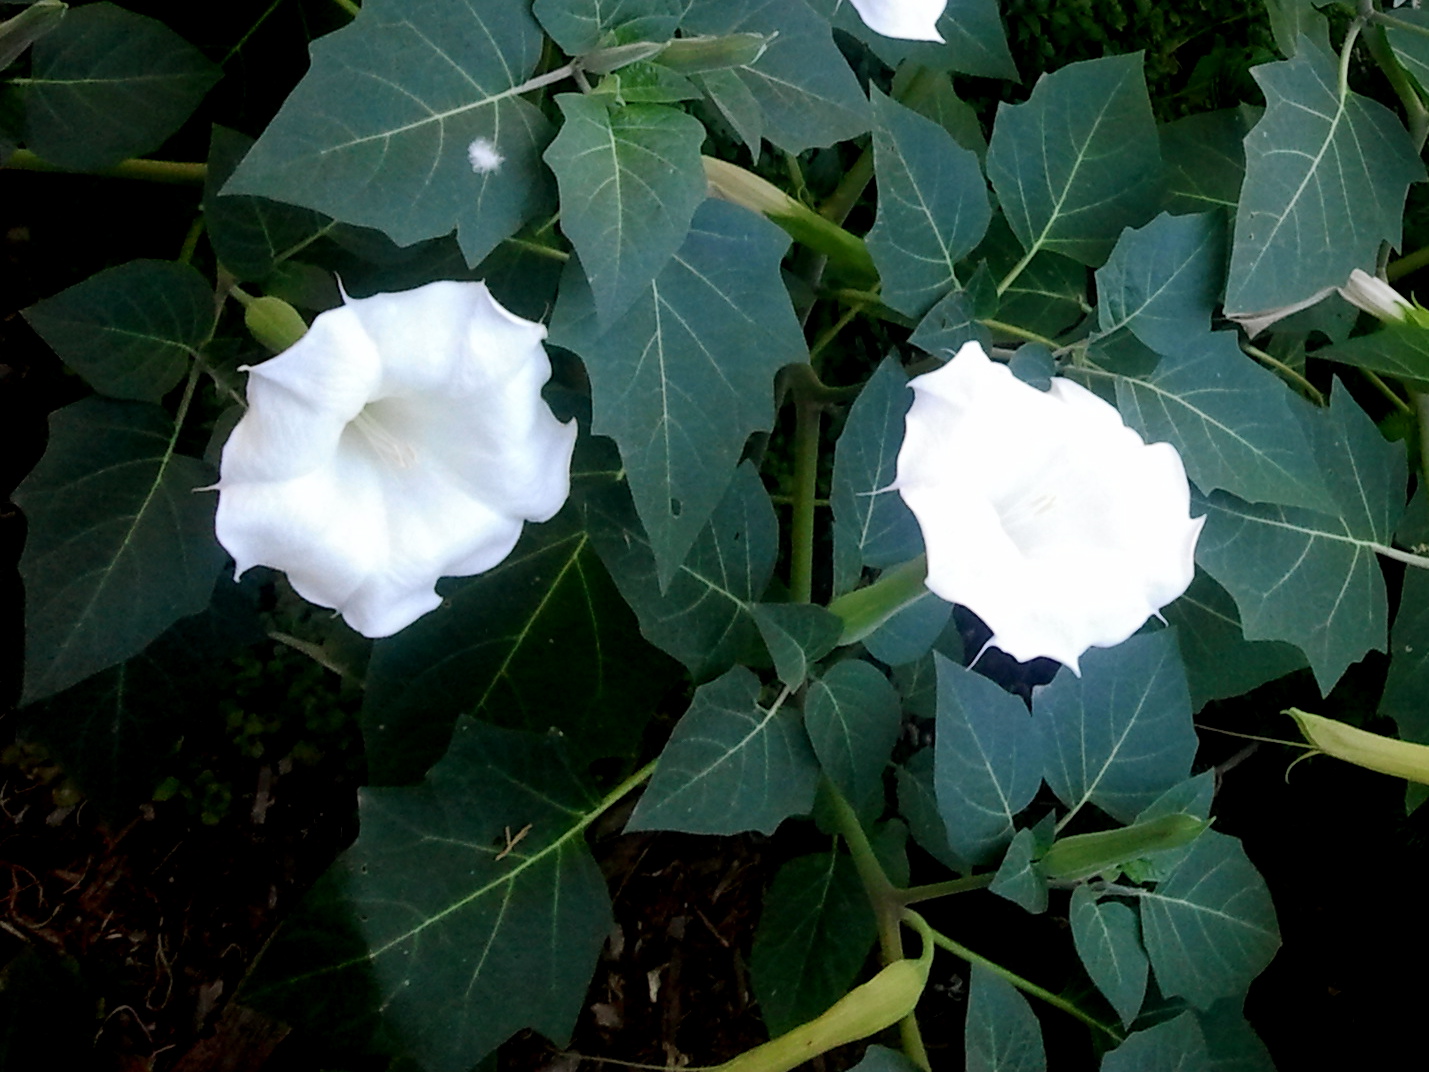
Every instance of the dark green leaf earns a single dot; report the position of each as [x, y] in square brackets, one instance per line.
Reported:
[1002, 1033]
[1210, 928]
[129, 331]
[1018, 878]
[882, 1059]
[958, 318]
[579, 26]
[1231, 1042]
[1172, 1046]
[119, 545]
[731, 765]
[683, 378]
[911, 632]
[1310, 578]
[1407, 684]
[1326, 173]
[1047, 297]
[252, 235]
[734, 101]
[704, 618]
[378, 133]
[630, 181]
[796, 635]
[1121, 734]
[1108, 939]
[1220, 662]
[918, 804]
[872, 527]
[1079, 160]
[109, 84]
[853, 720]
[814, 933]
[1235, 424]
[1162, 281]
[489, 652]
[478, 906]
[801, 83]
[932, 207]
[988, 761]
[973, 39]
[1205, 159]
[1398, 350]
[930, 93]
[1292, 19]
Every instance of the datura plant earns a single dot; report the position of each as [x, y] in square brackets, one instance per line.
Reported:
[668, 409]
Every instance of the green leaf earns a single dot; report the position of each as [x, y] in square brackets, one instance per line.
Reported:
[1162, 281]
[1002, 1033]
[872, 527]
[630, 181]
[1079, 160]
[973, 39]
[129, 331]
[918, 804]
[853, 720]
[109, 84]
[1108, 939]
[932, 207]
[1121, 734]
[930, 93]
[796, 635]
[815, 932]
[988, 761]
[1311, 578]
[378, 131]
[802, 84]
[1018, 878]
[19, 32]
[1220, 662]
[683, 378]
[735, 102]
[1234, 423]
[580, 26]
[882, 1059]
[1411, 42]
[911, 632]
[731, 765]
[252, 235]
[1172, 1046]
[704, 617]
[1408, 680]
[1231, 1042]
[119, 545]
[488, 652]
[1205, 159]
[1047, 297]
[1325, 179]
[1210, 928]
[1398, 350]
[958, 318]
[467, 934]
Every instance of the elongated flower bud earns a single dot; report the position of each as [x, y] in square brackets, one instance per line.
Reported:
[1401, 759]
[274, 323]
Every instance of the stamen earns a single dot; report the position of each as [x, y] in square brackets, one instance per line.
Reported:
[387, 446]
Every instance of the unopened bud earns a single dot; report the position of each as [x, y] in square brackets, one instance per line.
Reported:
[274, 323]
[695, 55]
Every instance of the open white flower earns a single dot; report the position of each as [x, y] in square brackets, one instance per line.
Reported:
[1041, 511]
[402, 439]
[913, 20]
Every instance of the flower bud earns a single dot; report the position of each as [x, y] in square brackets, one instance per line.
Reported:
[274, 323]
[1374, 295]
[1400, 759]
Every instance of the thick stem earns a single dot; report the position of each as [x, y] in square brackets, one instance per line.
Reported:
[933, 890]
[1421, 406]
[807, 419]
[1056, 1001]
[148, 170]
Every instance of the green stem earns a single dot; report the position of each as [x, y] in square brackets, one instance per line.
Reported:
[1415, 114]
[933, 890]
[831, 333]
[1383, 388]
[888, 909]
[349, 6]
[1421, 406]
[1382, 19]
[1409, 559]
[549, 252]
[1306, 387]
[186, 251]
[1017, 270]
[1056, 1001]
[1410, 262]
[1021, 333]
[1349, 46]
[236, 49]
[807, 419]
[148, 170]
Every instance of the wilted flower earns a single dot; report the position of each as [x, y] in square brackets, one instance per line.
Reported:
[402, 439]
[1041, 511]
[914, 20]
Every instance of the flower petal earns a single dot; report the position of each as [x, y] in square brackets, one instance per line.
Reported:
[1041, 511]
[912, 20]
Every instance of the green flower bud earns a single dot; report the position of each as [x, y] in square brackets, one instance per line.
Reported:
[274, 323]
